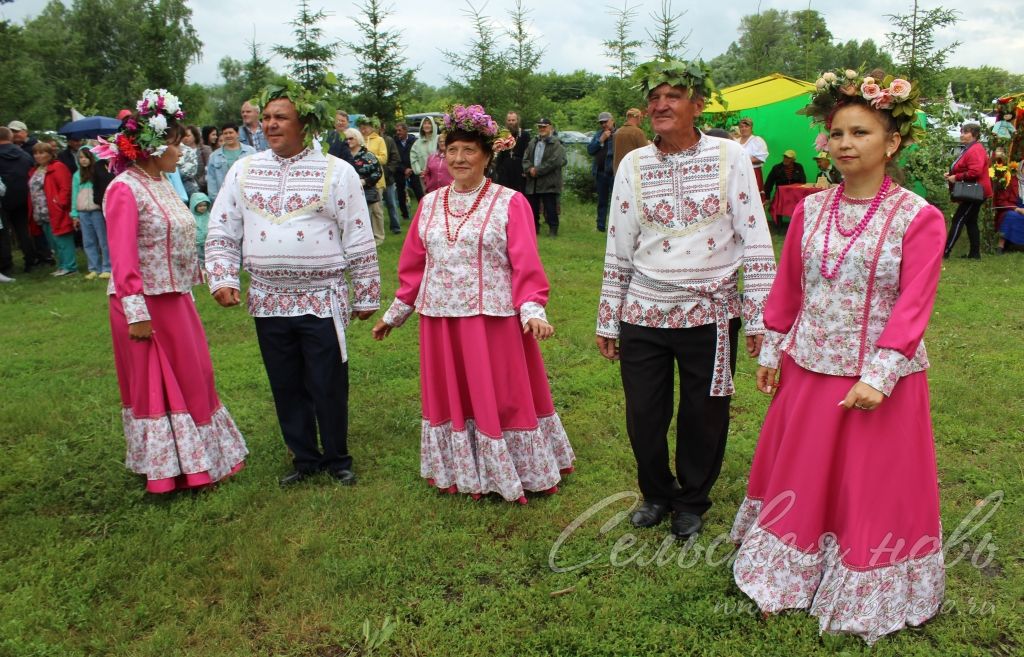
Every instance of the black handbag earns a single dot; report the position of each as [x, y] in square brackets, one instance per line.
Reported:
[967, 191]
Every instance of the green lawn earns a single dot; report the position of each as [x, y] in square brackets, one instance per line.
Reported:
[91, 565]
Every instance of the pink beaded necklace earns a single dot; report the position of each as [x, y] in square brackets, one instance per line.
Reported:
[833, 217]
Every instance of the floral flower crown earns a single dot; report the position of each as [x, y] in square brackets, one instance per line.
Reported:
[142, 135]
[890, 94]
[470, 119]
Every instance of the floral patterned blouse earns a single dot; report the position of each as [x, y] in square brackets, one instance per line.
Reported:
[486, 264]
[368, 168]
[152, 238]
[869, 320]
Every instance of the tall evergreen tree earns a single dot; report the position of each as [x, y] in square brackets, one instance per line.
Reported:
[384, 80]
[668, 44]
[913, 44]
[621, 49]
[524, 55]
[481, 71]
[311, 56]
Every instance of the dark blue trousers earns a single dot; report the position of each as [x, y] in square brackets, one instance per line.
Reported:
[310, 387]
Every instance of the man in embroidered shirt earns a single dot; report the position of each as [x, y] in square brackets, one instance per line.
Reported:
[685, 216]
[297, 220]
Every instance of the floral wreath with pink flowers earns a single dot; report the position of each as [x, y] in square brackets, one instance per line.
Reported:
[473, 118]
[887, 93]
[142, 134]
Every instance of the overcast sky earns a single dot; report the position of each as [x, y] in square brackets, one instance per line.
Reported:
[992, 31]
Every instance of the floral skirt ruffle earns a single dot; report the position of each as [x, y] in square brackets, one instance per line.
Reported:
[867, 602]
[174, 453]
[466, 461]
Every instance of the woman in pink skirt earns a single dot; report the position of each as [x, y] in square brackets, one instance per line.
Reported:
[470, 267]
[841, 516]
[178, 433]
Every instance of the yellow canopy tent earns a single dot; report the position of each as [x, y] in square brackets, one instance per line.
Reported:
[771, 103]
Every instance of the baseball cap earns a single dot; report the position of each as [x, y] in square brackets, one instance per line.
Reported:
[543, 121]
[789, 153]
[17, 126]
[746, 121]
[604, 116]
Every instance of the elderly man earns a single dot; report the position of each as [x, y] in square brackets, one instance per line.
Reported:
[629, 137]
[827, 170]
[336, 140]
[685, 217]
[601, 149]
[543, 162]
[786, 172]
[20, 138]
[251, 134]
[297, 220]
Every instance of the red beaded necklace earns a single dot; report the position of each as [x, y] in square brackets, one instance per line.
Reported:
[448, 212]
[833, 217]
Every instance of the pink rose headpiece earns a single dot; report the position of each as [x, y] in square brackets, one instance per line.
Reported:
[142, 135]
[897, 96]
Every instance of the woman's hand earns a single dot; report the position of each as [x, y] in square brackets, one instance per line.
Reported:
[362, 315]
[951, 178]
[609, 347]
[540, 329]
[140, 330]
[862, 397]
[754, 343]
[381, 330]
[767, 381]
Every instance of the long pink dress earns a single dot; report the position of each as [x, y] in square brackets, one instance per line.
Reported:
[177, 432]
[489, 424]
[841, 515]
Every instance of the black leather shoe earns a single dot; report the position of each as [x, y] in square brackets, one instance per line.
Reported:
[649, 514]
[968, 256]
[685, 525]
[343, 477]
[293, 478]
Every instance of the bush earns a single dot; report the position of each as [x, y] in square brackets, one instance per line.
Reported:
[579, 181]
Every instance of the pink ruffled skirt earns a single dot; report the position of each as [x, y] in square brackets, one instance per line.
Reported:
[841, 515]
[489, 425]
[177, 432]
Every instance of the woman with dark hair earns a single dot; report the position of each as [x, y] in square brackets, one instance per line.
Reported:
[470, 267]
[188, 164]
[971, 166]
[841, 515]
[178, 434]
[49, 187]
[210, 137]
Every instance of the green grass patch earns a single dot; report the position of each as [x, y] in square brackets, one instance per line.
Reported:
[91, 565]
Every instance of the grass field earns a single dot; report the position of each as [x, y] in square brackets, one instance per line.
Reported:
[91, 565]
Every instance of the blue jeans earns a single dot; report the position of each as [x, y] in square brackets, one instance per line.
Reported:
[94, 240]
[391, 202]
[604, 194]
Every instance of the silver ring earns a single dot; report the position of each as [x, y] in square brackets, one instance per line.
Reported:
[863, 408]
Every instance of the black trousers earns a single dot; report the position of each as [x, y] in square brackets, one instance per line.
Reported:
[310, 387]
[550, 203]
[413, 183]
[966, 216]
[649, 357]
[16, 225]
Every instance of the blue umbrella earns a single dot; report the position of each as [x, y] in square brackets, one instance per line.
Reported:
[90, 127]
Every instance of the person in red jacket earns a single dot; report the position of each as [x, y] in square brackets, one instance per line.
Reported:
[49, 188]
[971, 166]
